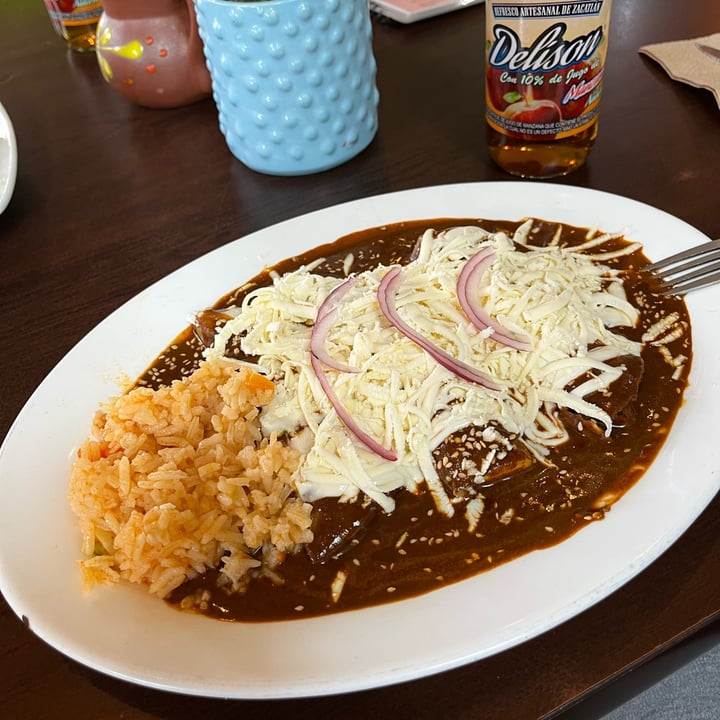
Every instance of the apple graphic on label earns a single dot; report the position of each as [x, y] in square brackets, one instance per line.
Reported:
[502, 88]
[536, 111]
[505, 90]
[530, 110]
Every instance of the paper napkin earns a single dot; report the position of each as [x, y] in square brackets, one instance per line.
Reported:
[695, 62]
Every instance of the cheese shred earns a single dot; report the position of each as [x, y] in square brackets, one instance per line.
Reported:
[566, 302]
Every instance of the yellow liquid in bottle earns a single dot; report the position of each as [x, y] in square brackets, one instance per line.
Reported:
[80, 37]
[76, 22]
[537, 159]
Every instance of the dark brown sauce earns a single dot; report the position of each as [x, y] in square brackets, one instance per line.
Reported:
[416, 549]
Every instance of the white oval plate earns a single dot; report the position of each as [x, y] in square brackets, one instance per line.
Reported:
[124, 632]
[8, 159]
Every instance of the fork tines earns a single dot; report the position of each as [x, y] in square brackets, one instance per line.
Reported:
[688, 270]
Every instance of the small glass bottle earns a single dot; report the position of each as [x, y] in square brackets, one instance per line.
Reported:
[543, 80]
[75, 21]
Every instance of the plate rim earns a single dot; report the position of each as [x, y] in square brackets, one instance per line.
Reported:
[7, 186]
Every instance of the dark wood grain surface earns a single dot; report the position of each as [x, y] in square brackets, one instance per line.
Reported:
[111, 197]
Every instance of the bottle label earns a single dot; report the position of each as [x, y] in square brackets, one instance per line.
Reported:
[545, 65]
[71, 13]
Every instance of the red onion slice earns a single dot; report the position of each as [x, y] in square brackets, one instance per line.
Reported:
[386, 296]
[345, 416]
[468, 293]
[326, 316]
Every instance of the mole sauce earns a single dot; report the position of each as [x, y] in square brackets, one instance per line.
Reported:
[416, 549]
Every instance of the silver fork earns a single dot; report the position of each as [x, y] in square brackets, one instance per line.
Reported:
[688, 270]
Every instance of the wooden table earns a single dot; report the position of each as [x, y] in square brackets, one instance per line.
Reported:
[111, 197]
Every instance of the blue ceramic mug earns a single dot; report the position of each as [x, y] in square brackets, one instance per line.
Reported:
[293, 80]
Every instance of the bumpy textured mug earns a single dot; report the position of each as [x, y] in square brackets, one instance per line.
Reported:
[293, 80]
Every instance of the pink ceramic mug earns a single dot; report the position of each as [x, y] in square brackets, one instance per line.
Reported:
[150, 52]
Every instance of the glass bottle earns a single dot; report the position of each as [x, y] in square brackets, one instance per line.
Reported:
[75, 21]
[543, 80]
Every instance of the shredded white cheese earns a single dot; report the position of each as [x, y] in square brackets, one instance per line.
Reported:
[565, 302]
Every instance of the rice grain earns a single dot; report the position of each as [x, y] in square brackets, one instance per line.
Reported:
[178, 480]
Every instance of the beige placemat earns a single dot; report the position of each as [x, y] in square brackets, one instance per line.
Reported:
[695, 62]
